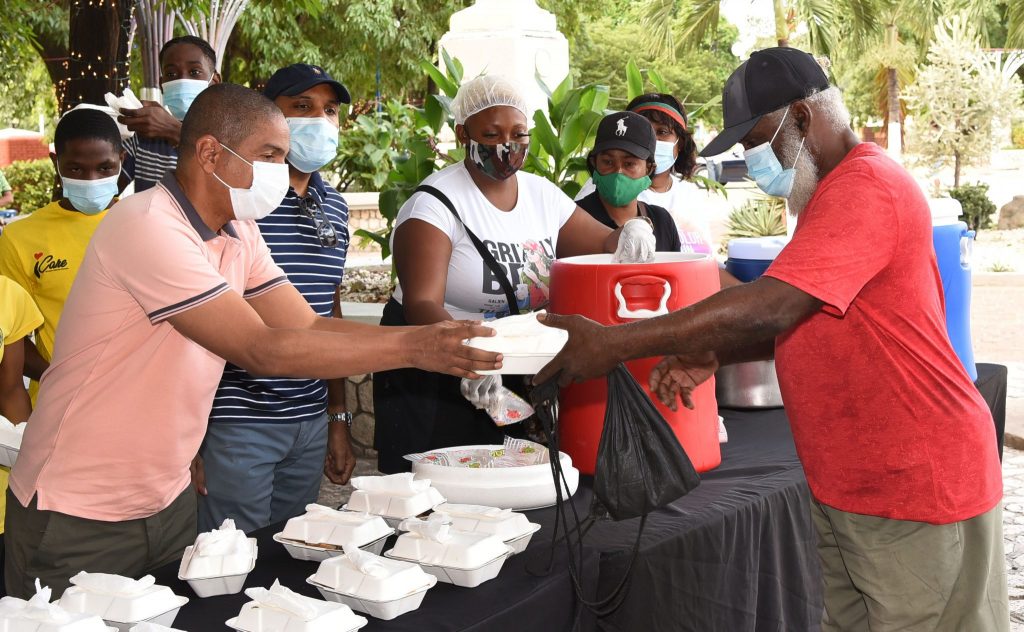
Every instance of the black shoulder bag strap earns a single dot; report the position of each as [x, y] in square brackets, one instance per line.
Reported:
[485, 254]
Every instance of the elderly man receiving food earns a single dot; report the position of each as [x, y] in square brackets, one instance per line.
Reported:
[897, 444]
[175, 281]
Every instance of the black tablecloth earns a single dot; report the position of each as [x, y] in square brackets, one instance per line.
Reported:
[991, 383]
[735, 554]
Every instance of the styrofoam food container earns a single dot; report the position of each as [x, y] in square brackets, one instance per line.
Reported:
[524, 487]
[401, 591]
[313, 529]
[150, 626]
[465, 559]
[216, 584]
[10, 442]
[319, 553]
[392, 507]
[157, 604]
[521, 364]
[464, 577]
[12, 620]
[331, 617]
[514, 529]
[526, 345]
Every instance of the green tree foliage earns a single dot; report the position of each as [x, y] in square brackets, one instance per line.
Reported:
[32, 183]
[958, 99]
[607, 46]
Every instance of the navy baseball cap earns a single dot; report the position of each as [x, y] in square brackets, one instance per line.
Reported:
[297, 78]
[769, 80]
[627, 131]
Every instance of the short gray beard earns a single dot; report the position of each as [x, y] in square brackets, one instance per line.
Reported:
[805, 180]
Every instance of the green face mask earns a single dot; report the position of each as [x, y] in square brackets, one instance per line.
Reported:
[618, 189]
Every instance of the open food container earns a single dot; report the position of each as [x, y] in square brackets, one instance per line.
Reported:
[278, 609]
[394, 497]
[122, 602]
[378, 586]
[321, 531]
[10, 441]
[39, 615]
[526, 345]
[514, 529]
[219, 561]
[519, 488]
[147, 626]
[455, 557]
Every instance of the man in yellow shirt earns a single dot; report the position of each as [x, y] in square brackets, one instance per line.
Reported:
[18, 317]
[43, 252]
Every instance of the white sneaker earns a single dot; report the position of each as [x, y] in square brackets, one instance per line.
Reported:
[723, 435]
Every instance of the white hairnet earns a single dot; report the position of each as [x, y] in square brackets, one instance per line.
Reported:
[485, 92]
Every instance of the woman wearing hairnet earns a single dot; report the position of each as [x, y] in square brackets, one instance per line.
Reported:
[521, 222]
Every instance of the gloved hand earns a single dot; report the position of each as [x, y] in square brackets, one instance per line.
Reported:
[482, 392]
[636, 242]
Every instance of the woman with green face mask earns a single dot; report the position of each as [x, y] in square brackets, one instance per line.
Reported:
[621, 165]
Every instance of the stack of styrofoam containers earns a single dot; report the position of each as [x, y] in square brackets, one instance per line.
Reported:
[154, 604]
[320, 532]
[395, 589]
[463, 559]
[514, 529]
[394, 506]
[10, 441]
[222, 569]
[281, 610]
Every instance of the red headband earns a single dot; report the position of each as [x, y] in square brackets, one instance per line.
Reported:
[665, 109]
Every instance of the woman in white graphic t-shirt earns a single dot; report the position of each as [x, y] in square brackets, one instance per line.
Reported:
[523, 221]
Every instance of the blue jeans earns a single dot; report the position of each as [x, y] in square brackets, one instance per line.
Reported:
[261, 473]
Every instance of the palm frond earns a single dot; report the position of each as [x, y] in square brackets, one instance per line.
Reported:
[1015, 25]
[700, 21]
[656, 19]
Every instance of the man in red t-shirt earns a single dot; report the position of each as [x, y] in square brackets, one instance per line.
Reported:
[898, 445]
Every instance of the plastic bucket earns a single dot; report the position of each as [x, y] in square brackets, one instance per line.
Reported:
[613, 294]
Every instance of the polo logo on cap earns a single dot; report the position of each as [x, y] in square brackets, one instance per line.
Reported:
[621, 128]
[317, 70]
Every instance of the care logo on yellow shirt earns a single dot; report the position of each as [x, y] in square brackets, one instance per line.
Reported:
[48, 263]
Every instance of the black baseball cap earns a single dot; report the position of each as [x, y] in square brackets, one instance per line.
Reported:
[297, 78]
[769, 80]
[627, 131]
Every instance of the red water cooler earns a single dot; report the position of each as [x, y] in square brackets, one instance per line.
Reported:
[613, 294]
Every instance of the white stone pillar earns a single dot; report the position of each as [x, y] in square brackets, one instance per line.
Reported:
[512, 38]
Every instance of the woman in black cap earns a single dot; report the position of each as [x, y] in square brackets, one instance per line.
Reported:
[621, 165]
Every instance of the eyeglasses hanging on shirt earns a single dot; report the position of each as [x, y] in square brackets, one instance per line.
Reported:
[325, 231]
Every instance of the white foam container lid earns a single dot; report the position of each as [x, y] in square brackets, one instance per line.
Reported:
[331, 617]
[12, 619]
[10, 441]
[151, 602]
[945, 211]
[524, 487]
[319, 553]
[152, 627]
[462, 551]
[206, 566]
[394, 505]
[756, 248]
[386, 610]
[403, 578]
[216, 585]
[509, 525]
[339, 528]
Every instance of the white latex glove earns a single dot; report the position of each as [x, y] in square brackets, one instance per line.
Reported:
[636, 242]
[483, 392]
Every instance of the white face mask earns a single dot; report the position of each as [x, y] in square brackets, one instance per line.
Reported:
[269, 186]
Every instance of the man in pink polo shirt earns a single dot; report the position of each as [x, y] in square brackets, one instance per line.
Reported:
[175, 281]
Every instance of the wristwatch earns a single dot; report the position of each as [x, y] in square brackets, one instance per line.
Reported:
[340, 418]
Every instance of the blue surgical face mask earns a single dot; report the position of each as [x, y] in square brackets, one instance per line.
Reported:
[90, 196]
[766, 170]
[180, 93]
[664, 156]
[313, 144]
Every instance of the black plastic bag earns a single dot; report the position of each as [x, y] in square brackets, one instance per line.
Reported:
[640, 464]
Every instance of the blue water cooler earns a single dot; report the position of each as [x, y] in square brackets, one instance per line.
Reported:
[749, 257]
[954, 244]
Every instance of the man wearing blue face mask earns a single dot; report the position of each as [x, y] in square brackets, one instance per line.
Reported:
[43, 252]
[188, 65]
[269, 438]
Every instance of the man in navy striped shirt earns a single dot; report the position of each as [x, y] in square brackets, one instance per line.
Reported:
[188, 65]
[268, 436]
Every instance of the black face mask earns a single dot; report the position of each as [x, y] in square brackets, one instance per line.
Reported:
[498, 161]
